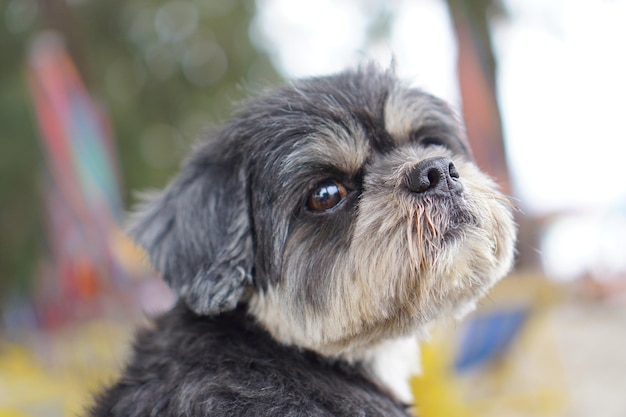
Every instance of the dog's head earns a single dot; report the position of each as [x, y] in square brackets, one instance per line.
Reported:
[343, 210]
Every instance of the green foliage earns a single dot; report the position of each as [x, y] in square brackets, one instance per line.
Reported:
[20, 204]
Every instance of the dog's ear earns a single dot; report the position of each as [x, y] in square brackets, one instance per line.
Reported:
[197, 234]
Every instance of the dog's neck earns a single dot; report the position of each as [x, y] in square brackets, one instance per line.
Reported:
[392, 362]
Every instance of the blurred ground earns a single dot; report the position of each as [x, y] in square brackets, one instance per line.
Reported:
[591, 340]
[568, 360]
[53, 374]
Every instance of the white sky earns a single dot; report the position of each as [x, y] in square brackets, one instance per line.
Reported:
[562, 79]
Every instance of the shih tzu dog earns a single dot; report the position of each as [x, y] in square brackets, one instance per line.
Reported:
[326, 226]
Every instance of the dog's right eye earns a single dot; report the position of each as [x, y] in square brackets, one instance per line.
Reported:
[428, 136]
[326, 195]
[432, 141]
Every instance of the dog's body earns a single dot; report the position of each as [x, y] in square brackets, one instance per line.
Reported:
[327, 219]
[228, 366]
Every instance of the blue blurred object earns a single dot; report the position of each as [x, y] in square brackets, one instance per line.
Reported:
[487, 337]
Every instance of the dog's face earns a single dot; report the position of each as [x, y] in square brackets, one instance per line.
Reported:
[343, 210]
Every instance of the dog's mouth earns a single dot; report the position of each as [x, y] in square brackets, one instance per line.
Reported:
[459, 219]
[443, 220]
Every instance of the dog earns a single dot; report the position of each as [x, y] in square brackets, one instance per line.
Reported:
[329, 221]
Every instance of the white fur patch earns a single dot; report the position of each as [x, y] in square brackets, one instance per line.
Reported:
[395, 362]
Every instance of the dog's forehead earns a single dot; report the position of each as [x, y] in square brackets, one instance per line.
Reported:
[408, 111]
[346, 137]
[340, 121]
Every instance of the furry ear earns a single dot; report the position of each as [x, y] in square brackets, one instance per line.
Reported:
[197, 234]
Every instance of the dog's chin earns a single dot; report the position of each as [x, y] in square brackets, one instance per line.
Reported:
[462, 246]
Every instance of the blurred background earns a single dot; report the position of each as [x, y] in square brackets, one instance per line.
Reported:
[101, 99]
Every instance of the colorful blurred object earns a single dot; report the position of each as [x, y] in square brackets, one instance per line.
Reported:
[487, 337]
[81, 188]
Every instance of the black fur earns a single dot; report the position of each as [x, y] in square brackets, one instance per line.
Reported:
[227, 366]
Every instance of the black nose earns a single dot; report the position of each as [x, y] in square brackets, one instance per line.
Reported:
[432, 175]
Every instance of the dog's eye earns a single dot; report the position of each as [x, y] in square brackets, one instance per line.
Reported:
[432, 141]
[326, 195]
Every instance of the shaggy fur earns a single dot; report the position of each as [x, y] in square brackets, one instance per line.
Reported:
[285, 309]
[190, 365]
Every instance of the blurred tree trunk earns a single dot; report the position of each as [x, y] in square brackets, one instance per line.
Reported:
[477, 74]
[477, 80]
